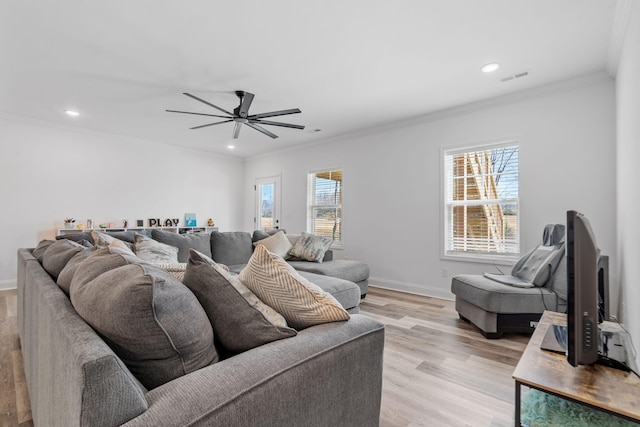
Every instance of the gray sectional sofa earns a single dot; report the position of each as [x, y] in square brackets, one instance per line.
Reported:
[328, 374]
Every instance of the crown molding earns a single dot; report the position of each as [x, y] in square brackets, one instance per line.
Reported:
[566, 85]
[44, 123]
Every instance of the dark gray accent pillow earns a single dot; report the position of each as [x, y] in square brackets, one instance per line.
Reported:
[42, 247]
[231, 247]
[150, 320]
[76, 237]
[201, 242]
[125, 236]
[66, 275]
[261, 234]
[238, 317]
[58, 255]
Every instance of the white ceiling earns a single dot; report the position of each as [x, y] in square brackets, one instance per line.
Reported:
[348, 65]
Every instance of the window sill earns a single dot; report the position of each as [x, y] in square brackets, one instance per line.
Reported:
[482, 259]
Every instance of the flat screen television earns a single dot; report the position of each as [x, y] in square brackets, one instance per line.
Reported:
[582, 291]
[589, 336]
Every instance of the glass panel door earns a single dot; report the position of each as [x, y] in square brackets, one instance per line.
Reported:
[267, 203]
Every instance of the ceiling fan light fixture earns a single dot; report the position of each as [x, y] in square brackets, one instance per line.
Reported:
[490, 67]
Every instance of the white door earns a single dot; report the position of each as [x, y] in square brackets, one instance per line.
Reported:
[267, 203]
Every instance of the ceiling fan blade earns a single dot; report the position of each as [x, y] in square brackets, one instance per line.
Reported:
[208, 103]
[197, 114]
[212, 124]
[236, 130]
[261, 129]
[275, 113]
[246, 99]
[270, 123]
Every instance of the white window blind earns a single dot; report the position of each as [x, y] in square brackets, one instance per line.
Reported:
[481, 201]
[324, 203]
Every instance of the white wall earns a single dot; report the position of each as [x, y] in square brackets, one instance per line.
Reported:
[392, 178]
[48, 173]
[628, 175]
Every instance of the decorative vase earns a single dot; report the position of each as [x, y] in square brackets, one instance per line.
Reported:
[69, 225]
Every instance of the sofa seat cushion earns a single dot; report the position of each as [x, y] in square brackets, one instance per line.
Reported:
[353, 271]
[150, 320]
[347, 293]
[496, 297]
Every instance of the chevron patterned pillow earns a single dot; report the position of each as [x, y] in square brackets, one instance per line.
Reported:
[277, 284]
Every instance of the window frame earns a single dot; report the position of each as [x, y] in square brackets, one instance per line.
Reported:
[311, 175]
[477, 257]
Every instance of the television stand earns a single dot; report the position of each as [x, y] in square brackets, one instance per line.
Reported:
[597, 386]
[615, 349]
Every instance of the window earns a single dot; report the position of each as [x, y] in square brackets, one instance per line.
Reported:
[324, 202]
[481, 202]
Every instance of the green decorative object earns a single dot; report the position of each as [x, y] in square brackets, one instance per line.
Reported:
[545, 410]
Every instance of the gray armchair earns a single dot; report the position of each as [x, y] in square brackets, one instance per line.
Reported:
[499, 304]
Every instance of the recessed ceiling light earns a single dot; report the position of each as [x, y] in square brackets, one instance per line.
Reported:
[490, 68]
[71, 113]
[231, 146]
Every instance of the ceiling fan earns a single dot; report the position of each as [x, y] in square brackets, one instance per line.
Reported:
[241, 116]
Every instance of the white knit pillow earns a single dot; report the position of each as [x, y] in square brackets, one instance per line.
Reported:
[277, 244]
[277, 284]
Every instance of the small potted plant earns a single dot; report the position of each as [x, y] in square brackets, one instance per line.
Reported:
[69, 223]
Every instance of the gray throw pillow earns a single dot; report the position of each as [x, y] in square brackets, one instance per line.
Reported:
[310, 247]
[150, 320]
[231, 247]
[66, 275]
[240, 320]
[58, 255]
[201, 242]
[154, 252]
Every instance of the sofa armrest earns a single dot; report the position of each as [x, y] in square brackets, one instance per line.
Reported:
[329, 374]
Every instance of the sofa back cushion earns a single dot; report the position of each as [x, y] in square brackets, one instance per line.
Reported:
[150, 320]
[66, 275]
[58, 254]
[201, 242]
[231, 247]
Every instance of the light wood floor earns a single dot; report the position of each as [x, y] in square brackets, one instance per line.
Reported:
[438, 370]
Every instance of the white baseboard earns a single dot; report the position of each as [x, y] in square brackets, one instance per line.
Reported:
[8, 284]
[411, 288]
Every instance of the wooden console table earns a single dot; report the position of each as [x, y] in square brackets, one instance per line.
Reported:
[596, 386]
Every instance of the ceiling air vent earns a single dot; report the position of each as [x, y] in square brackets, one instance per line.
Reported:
[515, 76]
